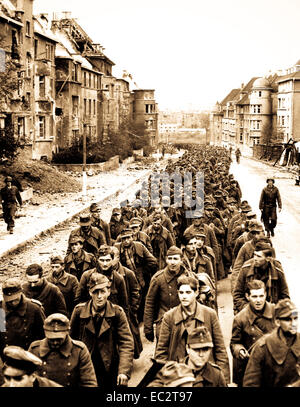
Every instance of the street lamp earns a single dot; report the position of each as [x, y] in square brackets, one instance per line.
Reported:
[84, 177]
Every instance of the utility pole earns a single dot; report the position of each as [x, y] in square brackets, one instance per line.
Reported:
[84, 177]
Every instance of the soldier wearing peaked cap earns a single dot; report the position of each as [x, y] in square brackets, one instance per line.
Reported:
[23, 317]
[135, 256]
[116, 224]
[66, 282]
[136, 225]
[65, 360]
[162, 293]
[105, 265]
[161, 239]
[91, 235]
[99, 223]
[274, 358]
[20, 368]
[173, 374]
[78, 260]
[104, 328]
[199, 347]
[263, 266]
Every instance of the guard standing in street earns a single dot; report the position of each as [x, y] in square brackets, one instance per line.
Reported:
[9, 196]
[238, 155]
[270, 196]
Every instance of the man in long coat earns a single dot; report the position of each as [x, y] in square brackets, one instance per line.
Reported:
[104, 328]
[269, 198]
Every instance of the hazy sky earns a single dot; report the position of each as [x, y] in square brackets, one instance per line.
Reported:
[192, 52]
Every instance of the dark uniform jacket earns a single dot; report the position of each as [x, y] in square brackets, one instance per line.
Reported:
[245, 331]
[145, 263]
[166, 223]
[273, 277]
[173, 336]
[247, 328]
[132, 287]
[245, 253]
[161, 241]
[162, 296]
[118, 292]
[41, 382]
[141, 237]
[10, 196]
[210, 238]
[210, 376]
[201, 264]
[269, 197]
[49, 295]
[116, 228]
[85, 262]
[70, 365]
[272, 363]
[92, 240]
[22, 325]
[114, 340]
[104, 228]
[68, 285]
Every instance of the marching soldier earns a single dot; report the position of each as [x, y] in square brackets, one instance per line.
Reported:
[65, 360]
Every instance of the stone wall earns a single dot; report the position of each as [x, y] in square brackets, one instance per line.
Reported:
[111, 164]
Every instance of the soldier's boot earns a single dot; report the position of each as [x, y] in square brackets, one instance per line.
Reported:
[297, 182]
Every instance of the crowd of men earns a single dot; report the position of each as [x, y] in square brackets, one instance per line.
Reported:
[154, 270]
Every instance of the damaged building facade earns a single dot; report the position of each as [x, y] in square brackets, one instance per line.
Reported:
[265, 111]
[66, 86]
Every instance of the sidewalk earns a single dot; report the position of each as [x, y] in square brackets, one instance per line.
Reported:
[36, 219]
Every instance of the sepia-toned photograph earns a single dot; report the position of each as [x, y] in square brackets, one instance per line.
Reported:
[149, 197]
